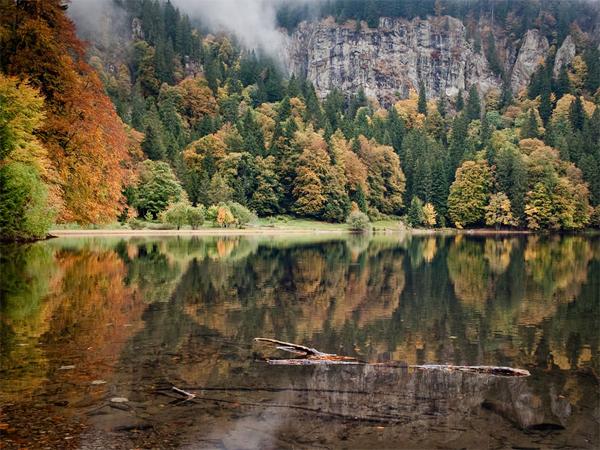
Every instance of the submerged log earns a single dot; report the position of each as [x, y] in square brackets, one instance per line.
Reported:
[312, 356]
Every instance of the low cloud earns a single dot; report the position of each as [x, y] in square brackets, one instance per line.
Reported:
[253, 22]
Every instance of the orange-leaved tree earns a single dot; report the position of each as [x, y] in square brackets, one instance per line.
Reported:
[86, 141]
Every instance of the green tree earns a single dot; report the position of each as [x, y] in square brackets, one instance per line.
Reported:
[153, 144]
[492, 56]
[358, 222]
[177, 214]
[577, 114]
[460, 102]
[242, 215]
[195, 216]
[422, 102]
[24, 210]
[156, 189]
[416, 216]
[563, 84]
[254, 139]
[545, 105]
[219, 190]
[473, 108]
[265, 199]
[530, 126]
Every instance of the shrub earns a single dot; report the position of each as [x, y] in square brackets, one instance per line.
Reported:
[177, 214]
[359, 222]
[136, 224]
[195, 216]
[242, 215]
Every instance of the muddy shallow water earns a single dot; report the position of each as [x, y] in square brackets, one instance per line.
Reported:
[95, 332]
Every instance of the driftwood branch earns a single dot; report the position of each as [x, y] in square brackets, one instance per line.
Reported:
[189, 395]
[312, 356]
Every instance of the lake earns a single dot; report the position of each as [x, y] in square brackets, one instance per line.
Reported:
[95, 333]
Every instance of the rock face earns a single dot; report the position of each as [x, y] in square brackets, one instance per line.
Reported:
[564, 55]
[531, 54]
[389, 61]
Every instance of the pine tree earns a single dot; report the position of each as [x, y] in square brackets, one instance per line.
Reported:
[577, 114]
[545, 105]
[153, 144]
[254, 140]
[415, 216]
[563, 84]
[442, 105]
[592, 61]
[422, 103]
[492, 56]
[265, 199]
[506, 97]
[460, 103]
[529, 130]
[473, 109]
[459, 144]
[396, 129]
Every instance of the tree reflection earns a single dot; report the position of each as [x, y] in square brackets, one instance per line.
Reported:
[141, 312]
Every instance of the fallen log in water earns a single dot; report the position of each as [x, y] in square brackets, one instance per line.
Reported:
[312, 356]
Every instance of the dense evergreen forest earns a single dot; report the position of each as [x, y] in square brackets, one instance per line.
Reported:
[189, 126]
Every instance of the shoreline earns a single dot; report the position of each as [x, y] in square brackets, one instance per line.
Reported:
[265, 231]
[203, 232]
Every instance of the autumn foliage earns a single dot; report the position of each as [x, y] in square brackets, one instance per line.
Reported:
[86, 141]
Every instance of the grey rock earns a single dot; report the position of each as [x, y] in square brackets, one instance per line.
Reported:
[564, 55]
[388, 61]
[531, 54]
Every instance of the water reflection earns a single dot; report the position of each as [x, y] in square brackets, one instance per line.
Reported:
[134, 316]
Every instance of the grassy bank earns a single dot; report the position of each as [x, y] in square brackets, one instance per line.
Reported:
[273, 226]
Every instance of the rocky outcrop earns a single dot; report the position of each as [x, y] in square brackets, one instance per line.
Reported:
[389, 61]
[531, 54]
[137, 32]
[564, 55]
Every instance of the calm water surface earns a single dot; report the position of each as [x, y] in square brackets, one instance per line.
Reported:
[87, 323]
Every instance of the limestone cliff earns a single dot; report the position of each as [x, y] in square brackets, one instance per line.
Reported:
[564, 55]
[390, 60]
[531, 54]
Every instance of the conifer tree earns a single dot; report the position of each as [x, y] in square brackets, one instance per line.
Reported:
[460, 102]
[422, 102]
[577, 114]
[473, 108]
[529, 130]
[563, 84]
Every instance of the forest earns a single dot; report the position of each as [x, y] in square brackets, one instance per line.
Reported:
[191, 127]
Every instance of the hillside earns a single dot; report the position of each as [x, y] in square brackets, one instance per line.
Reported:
[450, 117]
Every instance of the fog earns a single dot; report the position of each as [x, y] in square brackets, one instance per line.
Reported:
[99, 21]
[253, 22]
